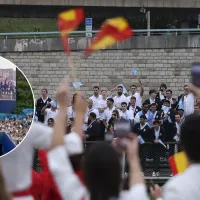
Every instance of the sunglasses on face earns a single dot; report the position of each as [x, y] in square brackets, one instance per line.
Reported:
[114, 115]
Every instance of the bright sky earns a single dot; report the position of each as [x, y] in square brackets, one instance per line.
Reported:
[6, 64]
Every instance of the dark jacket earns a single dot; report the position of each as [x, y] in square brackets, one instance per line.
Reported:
[94, 132]
[169, 126]
[156, 101]
[161, 134]
[158, 96]
[40, 104]
[144, 133]
[137, 109]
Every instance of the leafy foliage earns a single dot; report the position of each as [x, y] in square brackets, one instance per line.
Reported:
[24, 94]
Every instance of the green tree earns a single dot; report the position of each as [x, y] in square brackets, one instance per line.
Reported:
[24, 94]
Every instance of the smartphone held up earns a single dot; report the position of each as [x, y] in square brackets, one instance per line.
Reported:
[195, 72]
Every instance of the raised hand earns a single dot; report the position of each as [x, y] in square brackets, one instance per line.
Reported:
[195, 90]
[63, 93]
[156, 192]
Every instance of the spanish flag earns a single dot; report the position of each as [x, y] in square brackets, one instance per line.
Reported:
[178, 163]
[67, 22]
[113, 30]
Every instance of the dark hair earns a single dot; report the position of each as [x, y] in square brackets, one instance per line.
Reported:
[169, 91]
[190, 137]
[133, 97]
[96, 87]
[123, 103]
[166, 101]
[93, 115]
[110, 99]
[133, 86]
[45, 90]
[52, 119]
[119, 86]
[116, 111]
[163, 85]
[102, 180]
[153, 104]
[152, 91]
[145, 103]
[156, 122]
[143, 116]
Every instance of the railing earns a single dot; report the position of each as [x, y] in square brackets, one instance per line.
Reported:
[151, 157]
[143, 32]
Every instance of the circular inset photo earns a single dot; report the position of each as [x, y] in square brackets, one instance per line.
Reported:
[16, 106]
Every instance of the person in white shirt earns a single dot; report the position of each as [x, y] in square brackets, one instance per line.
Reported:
[49, 112]
[92, 109]
[188, 101]
[101, 182]
[70, 110]
[89, 110]
[126, 114]
[137, 95]
[119, 98]
[102, 103]
[187, 184]
[96, 97]
[101, 108]
[108, 112]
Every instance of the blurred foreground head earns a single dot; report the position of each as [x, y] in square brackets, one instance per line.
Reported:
[102, 171]
[190, 138]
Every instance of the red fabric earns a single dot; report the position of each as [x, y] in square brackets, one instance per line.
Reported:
[80, 175]
[108, 30]
[43, 183]
[172, 164]
[34, 190]
[50, 190]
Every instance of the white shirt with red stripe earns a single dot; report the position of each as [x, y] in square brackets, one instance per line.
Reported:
[70, 186]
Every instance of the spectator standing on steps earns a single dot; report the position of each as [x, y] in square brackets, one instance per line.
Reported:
[49, 112]
[41, 102]
[137, 95]
[120, 98]
[96, 97]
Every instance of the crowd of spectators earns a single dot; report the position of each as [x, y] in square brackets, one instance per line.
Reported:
[156, 120]
[16, 129]
[70, 172]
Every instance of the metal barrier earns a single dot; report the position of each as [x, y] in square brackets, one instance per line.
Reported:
[153, 157]
[142, 32]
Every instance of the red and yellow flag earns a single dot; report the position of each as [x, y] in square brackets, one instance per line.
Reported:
[67, 22]
[113, 30]
[178, 163]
